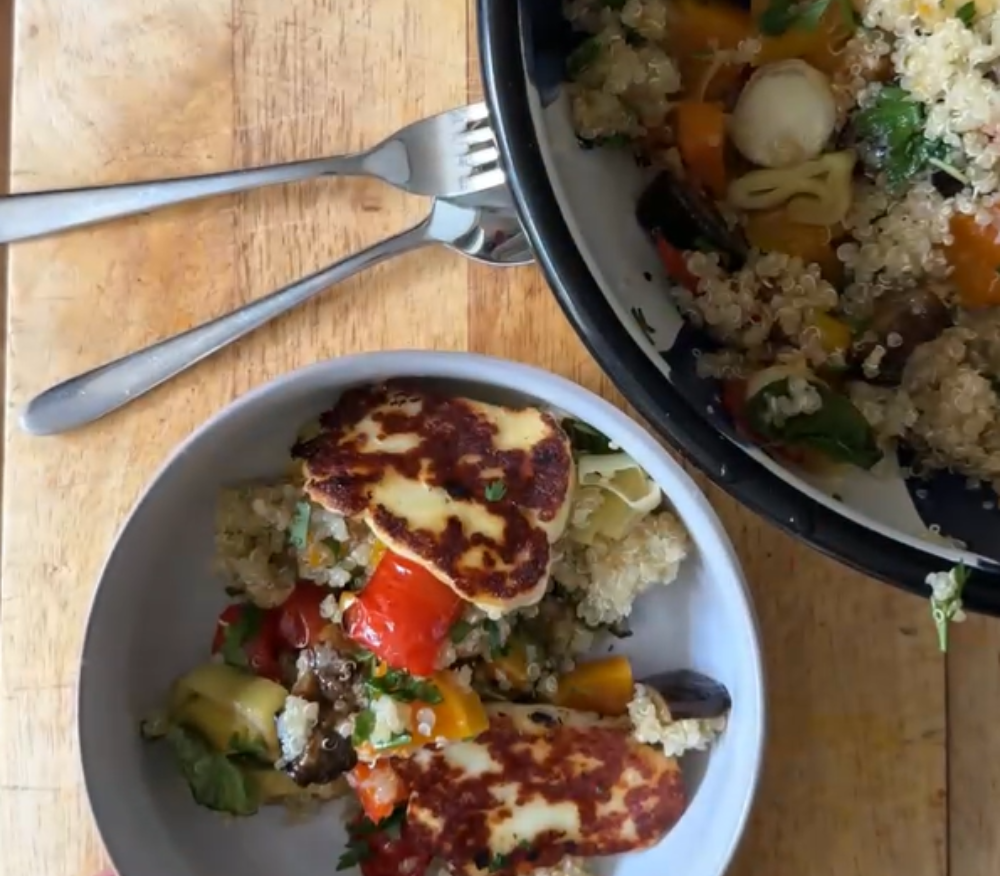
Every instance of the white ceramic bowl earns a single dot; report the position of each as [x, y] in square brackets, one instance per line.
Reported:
[155, 609]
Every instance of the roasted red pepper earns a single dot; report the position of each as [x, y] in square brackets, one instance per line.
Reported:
[248, 636]
[301, 623]
[403, 615]
[675, 263]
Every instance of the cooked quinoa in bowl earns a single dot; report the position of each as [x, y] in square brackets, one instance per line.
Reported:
[777, 226]
[416, 633]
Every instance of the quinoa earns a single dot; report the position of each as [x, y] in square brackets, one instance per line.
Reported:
[610, 575]
[652, 724]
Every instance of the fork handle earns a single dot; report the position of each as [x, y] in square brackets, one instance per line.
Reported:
[96, 393]
[38, 213]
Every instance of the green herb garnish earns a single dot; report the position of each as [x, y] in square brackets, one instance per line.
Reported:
[892, 128]
[838, 429]
[215, 781]
[459, 631]
[495, 491]
[946, 600]
[583, 57]
[358, 847]
[586, 439]
[497, 646]
[298, 529]
[966, 14]
[783, 15]
[611, 141]
[393, 741]
[402, 686]
[235, 635]
[356, 852]
[364, 723]
[498, 862]
[644, 325]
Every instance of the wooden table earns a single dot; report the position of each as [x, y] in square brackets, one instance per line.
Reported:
[883, 757]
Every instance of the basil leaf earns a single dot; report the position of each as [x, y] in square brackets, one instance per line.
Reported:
[364, 723]
[298, 529]
[966, 14]
[838, 429]
[892, 130]
[246, 627]
[215, 781]
[586, 439]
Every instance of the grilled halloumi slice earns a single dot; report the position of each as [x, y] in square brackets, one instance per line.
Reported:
[476, 493]
[541, 783]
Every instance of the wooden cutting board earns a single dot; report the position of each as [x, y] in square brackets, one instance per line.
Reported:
[883, 758]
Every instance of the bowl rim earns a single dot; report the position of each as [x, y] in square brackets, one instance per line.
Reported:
[659, 403]
[490, 371]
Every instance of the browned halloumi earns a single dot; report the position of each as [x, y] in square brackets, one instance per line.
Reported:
[477, 493]
[541, 783]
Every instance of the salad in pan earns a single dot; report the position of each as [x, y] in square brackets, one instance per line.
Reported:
[419, 621]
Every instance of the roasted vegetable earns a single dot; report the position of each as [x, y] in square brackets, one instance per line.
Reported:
[458, 713]
[888, 136]
[837, 430]
[215, 781]
[403, 615]
[974, 255]
[379, 789]
[774, 231]
[247, 637]
[701, 138]
[696, 31]
[688, 220]
[603, 686]
[225, 703]
[901, 321]
[300, 623]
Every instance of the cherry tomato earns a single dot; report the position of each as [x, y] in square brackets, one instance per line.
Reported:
[248, 636]
[403, 615]
[391, 855]
[301, 623]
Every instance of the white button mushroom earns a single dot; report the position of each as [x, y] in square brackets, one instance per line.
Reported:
[785, 115]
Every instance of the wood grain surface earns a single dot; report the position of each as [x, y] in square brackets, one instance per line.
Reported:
[882, 758]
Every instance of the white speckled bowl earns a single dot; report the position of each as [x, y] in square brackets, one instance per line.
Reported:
[156, 605]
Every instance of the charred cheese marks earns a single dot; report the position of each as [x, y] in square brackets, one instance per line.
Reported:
[475, 492]
[539, 784]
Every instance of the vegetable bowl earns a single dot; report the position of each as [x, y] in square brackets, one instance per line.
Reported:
[371, 589]
[767, 222]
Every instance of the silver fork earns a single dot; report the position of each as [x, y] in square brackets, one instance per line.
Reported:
[447, 155]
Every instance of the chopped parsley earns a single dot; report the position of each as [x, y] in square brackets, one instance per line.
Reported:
[364, 724]
[402, 686]
[393, 741]
[235, 635]
[360, 831]
[966, 14]
[495, 491]
[298, 529]
[891, 129]
[356, 852]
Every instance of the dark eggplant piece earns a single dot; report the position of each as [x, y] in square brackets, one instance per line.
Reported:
[690, 694]
[688, 220]
[327, 755]
[916, 316]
